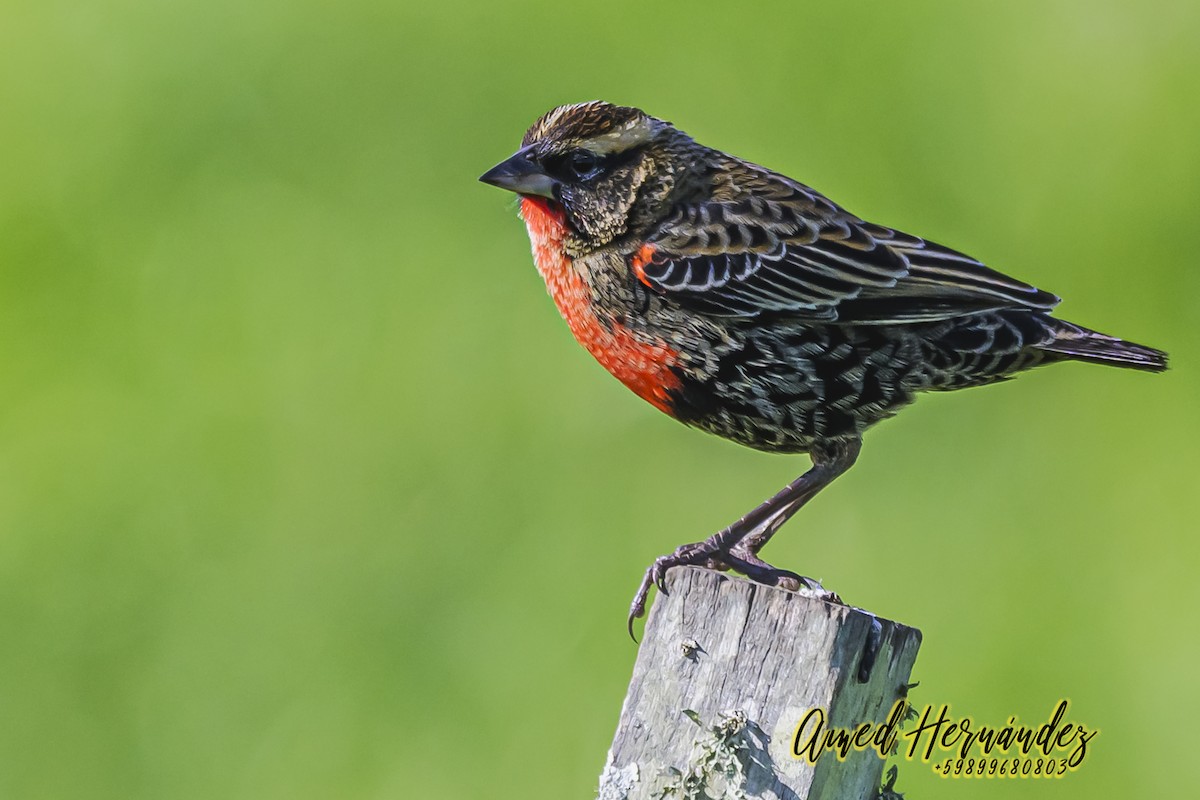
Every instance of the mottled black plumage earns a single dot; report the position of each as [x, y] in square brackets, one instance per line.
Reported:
[749, 305]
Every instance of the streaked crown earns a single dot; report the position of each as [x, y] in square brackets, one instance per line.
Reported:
[599, 126]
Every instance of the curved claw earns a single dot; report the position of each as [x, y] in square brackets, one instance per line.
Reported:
[699, 553]
[660, 575]
[656, 575]
[637, 608]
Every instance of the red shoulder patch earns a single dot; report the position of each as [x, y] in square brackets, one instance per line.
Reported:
[640, 259]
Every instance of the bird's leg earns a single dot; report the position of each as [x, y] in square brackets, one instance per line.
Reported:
[832, 459]
[736, 547]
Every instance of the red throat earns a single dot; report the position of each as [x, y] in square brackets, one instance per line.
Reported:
[645, 367]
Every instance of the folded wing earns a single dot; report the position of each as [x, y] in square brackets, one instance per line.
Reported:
[785, 250]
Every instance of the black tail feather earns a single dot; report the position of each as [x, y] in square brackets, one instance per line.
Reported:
[1080, 344]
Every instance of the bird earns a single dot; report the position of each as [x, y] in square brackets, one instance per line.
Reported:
[746, 304]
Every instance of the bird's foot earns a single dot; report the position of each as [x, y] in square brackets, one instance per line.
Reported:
[742, 559]
[713, 555]
[706, 554]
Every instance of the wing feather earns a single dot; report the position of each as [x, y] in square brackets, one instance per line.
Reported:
[784, 249]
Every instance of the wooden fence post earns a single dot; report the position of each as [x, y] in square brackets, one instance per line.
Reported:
[726, 672]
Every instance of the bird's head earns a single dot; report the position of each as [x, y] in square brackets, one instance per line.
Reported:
[613, 170]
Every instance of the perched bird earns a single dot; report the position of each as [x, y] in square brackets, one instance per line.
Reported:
[746, 304]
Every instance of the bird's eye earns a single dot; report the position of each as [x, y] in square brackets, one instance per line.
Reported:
[574, 166]
[582, 163]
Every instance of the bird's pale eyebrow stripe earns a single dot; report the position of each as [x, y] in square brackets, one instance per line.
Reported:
[627, 136]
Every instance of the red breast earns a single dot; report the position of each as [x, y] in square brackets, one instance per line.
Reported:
[645, 367]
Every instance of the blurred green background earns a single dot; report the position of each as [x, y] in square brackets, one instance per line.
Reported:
[306, 492]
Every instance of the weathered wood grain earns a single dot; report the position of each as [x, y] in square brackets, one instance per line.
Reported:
[726, 672]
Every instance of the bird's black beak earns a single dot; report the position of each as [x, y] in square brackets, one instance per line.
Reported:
[521, 174]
